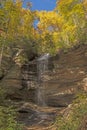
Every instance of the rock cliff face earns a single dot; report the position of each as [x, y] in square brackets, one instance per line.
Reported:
[65, 75]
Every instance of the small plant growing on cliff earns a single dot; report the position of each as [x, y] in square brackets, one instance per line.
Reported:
[7, 115]
[7, 119]
[75, 113]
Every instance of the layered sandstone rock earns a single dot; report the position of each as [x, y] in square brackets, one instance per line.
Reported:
[66, 75]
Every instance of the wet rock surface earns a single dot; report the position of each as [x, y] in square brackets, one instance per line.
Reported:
[66, 75]
[35, 116]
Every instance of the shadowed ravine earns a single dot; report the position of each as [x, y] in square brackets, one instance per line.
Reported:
[41, 89]
[40, 116]
[43, 65]
[52, 87]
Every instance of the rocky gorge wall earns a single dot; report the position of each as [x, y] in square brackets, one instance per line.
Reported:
[66, 75]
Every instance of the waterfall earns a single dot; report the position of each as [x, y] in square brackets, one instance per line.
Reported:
[42, 67]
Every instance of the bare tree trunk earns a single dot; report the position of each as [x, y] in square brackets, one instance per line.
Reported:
[1, 55]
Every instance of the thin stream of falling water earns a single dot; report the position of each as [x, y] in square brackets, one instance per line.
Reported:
[42, 67]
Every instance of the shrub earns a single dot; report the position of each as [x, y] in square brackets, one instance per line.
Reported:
[76, 112]
[8, 119]
[7, 115]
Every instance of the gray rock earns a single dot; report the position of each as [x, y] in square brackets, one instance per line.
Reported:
[66, 75]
